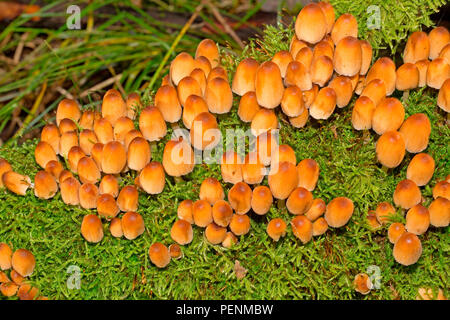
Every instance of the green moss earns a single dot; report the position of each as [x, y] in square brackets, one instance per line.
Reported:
[322, 269]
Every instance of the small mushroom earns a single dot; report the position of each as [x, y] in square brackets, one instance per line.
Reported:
[211, 190]
[139, 154]
[407, 249]
[276, 229]
[439, 211]
[299, 201]
[420, 169]
[184, 211]
[262, 200]
[159, 255]
[110, 185]
[222, 213]
[416, 132]
[152, 178]
[244, 77]
[302, 228]
[407, 194]
[91, 228]
[69, 191]
[390, 149]
[215, 234]
[268, 85]
[128, 199]
[132, 225]
[23, 262]
[45, 186]
[395, 231]
[339, 211]
[87, 194]
[107, 206]
[202, 213]
[417, 219]
[240, 197]
[166, 100]
[240, 224]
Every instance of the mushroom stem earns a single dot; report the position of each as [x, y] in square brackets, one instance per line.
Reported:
[366, 135]
[405, 95]
[175, 126]
[385, 169]
[281, 203]
[178, 179]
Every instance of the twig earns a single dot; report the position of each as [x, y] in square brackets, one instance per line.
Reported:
[222, 21]
[65, 93]
[100, 85]
[172, 47]
[19, 48]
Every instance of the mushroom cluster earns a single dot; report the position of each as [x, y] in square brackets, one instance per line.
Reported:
[326, 64]
[20, 264]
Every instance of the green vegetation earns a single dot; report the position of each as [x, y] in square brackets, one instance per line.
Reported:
[322, 269]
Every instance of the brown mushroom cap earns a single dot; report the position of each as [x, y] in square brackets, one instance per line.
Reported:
[51, 135]
[320, 226]
[16, 182]
[388, 115]
[395, 231]
[159, 255]
[152, 178]
[67, 108]
[362, 113]
[283, 179]
[201, 63]
[113, 106]
[178, 158]
[92, 228]
[64, 175]
[348, 56]
[215, 234]
[292, 102]
[297, 75]
[263, 121]
[88, 171]
[283, 153]
[339, 211]
[282, 59]
[23, 262]
[262, 200]
[181, 67]
[8, 289]
[442, 189]
[384, 212]
[248, 107]
[305, 56]
[366, 57]
[133, 105]
[276, 228]
[437, 72]
[296, 45]
[184, 210]
[45, 186]
[439, 211]
[240, 224]
[408, 77]
[417, 47]
[186, 87]
[438, 37]
[202, 213]
[132, 225]
[114, 158]
[194, 106]
[205, 133]
[217, 72]
[175, 251]
[5, 256]
[308, 174]
[115, 227]
[218, 96]
[342, 86]
[122, 127]
[87, 140]
[443, 100]
[199, 75]
[110, 185]
[420, 169]
[104, 131]
[128, 199]
[208, 48]
[445, 53]
[222, 213]
[407, 194]
[301, 120]
[44, 153]
[362, 283]
[268, 85]
[323, 48]
[211, 190]
[230, 240]
[88, 194]
[74, 155]
[383, 69]
[69, 191]
[67, 125]
[422, 66]
[328, 11]
[253, 170]
[345, 26]
[166, 100]
[139, 154]
[240, 197]
[390, 149]
[375, 90]
[87, 119]
[16, 277]
[107, 206]
[152, 124]
[407, 249]
[324, 104]
[417, 219]
[311, 24]
[299, 201]
[302, 228]
[244, 77]
[316, 209]
[97, 154]
[231, 167]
